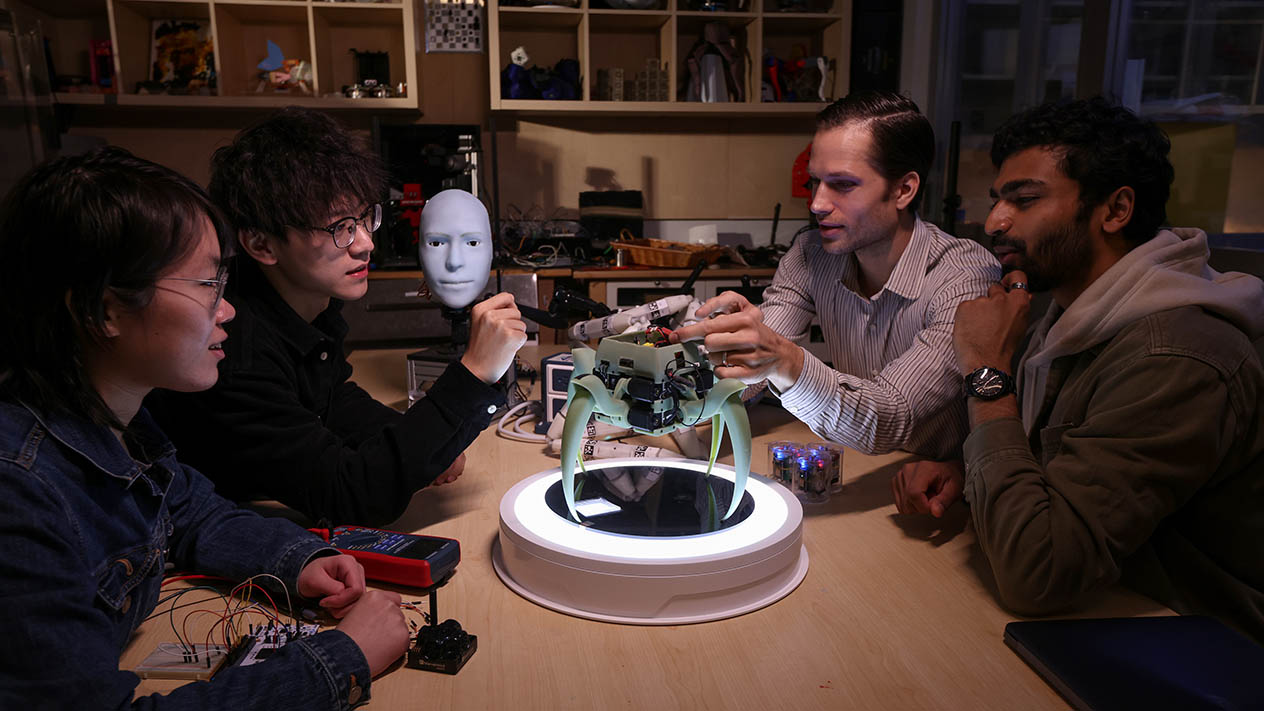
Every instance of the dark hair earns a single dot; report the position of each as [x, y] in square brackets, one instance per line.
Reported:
[290, 169]
[903, 140]
[1104, 147]
[70, 230]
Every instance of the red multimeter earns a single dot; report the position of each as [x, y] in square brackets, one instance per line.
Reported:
[399, 558]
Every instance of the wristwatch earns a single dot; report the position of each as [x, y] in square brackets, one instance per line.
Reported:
[988, 384]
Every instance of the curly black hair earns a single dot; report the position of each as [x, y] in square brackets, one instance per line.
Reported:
[903, 140]
[294, 168]
[1104, 147]
[71, 230]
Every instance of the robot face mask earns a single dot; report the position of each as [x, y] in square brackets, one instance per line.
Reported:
[456, 247]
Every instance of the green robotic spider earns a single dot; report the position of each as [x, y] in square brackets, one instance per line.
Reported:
[641, 381]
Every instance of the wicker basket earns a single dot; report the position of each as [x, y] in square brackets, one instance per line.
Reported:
[662, 253]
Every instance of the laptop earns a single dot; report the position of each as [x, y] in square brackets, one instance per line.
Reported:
[1186, 663]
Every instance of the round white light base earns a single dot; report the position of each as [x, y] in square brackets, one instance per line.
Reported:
[582, 571]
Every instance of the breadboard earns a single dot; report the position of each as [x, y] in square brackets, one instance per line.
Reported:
[172, 661]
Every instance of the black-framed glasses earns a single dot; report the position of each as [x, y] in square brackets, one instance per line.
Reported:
[343, 231]
[219, 283]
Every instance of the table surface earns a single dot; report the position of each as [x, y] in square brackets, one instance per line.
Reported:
[895, 612]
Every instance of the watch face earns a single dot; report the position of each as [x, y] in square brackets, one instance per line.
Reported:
[988, 383]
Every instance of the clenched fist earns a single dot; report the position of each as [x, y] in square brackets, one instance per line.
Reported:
[497, 331]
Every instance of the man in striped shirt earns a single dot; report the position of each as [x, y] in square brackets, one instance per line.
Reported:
[883, 284]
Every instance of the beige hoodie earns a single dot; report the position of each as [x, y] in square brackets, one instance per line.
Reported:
[1167, 272]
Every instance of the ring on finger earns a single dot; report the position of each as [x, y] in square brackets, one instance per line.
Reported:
[1019, 285]
[724, 361]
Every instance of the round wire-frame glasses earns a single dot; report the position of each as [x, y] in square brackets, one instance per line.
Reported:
[219, 283]
[343, 231]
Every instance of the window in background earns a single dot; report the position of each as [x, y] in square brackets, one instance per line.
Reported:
[998, 57]
[1195, 66]
[1197, 52]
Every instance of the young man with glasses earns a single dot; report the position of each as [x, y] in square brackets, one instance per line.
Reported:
[285, 421]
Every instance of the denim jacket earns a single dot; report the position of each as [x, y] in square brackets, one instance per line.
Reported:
[85, 531]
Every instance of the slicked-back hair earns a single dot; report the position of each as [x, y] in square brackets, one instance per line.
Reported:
[71, 230]
[902, 140]
[1103, 147]
[292, 169]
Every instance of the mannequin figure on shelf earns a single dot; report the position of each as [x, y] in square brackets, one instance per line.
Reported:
[456, 256]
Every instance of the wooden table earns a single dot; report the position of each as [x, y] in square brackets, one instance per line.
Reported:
[896, 612]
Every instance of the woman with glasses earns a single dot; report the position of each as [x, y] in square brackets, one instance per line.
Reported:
[285, 421]
[114, 284]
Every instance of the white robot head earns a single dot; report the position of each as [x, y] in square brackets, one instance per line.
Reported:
[456, 247]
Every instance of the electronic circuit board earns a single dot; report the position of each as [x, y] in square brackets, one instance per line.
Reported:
[264, 641]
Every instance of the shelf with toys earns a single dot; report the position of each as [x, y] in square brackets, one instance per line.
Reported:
[642, 57]
[235, 53]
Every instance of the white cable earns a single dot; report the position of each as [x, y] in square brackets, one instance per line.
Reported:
[518, 423]
[284, 588]
[515, 433]
[174, 649]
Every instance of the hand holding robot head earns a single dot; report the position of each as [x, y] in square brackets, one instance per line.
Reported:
[456, 247]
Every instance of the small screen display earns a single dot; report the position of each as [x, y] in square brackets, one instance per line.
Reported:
[401, 545]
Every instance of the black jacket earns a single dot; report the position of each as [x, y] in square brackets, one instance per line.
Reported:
[285, 420]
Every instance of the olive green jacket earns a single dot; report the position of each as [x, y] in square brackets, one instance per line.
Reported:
[1144, 463]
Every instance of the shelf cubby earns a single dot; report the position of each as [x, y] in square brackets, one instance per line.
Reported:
[320, 32]
[601, 37]
[133, 34]
[340, 28]
[243, 32]
[627, 40]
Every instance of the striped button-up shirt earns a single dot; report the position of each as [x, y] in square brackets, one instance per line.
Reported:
[894, 382]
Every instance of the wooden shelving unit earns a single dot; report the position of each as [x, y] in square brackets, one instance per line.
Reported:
[322, 33]
[602, 38]
[231, 102]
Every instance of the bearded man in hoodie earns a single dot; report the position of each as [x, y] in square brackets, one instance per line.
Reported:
[1130, 443]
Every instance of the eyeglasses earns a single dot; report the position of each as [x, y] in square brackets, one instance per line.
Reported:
[343, 231]
[218, 284]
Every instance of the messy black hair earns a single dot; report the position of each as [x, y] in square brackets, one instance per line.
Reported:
[71, 230]
[903, 140]
[294, 168]
[1103, 147]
